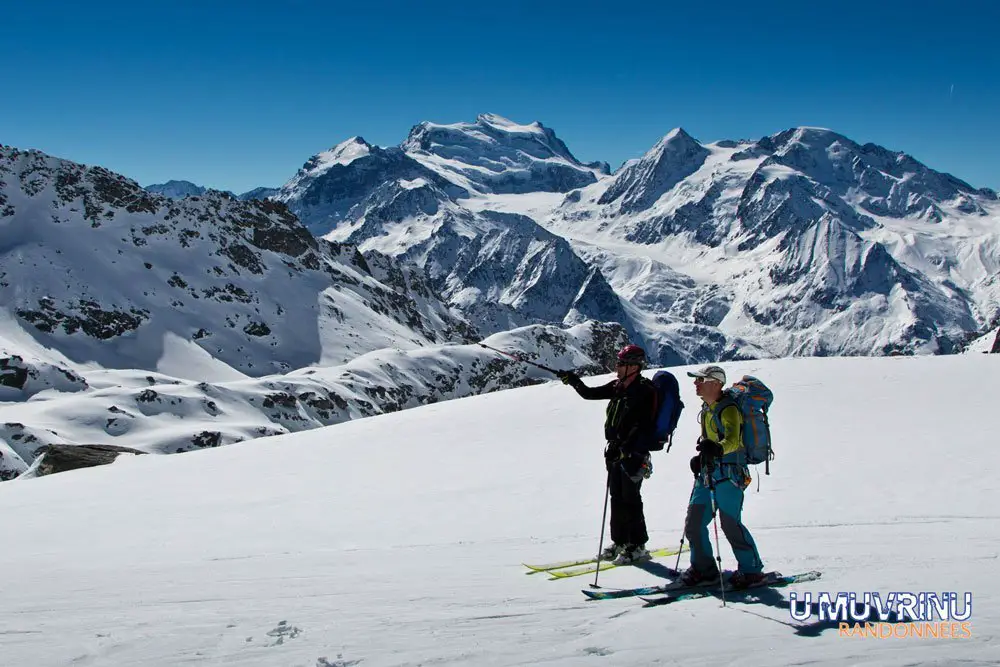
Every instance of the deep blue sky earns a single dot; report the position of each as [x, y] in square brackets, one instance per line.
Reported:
[234, 95]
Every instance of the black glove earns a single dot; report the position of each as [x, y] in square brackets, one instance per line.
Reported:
[696, 465]
[709, 448]
[568, 377]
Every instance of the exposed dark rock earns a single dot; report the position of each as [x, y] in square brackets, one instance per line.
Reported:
[285, 400]
[243, 256]
[257, 329]
[60, 458]
[93, 320]
[207, 439]
[147, 396]
[13, 372]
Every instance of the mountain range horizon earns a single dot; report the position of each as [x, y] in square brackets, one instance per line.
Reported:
[522, 185]
[189, 187]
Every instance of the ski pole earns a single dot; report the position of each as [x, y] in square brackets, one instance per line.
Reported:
[521, 359]
[718, 552]
[604, 516]
[677, 565]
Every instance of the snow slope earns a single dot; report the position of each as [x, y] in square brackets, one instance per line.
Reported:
[108, 274]
[984, 343]
[211, 404]
[397, 540]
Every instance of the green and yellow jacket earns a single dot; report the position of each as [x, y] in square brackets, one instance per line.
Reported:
[732, 424]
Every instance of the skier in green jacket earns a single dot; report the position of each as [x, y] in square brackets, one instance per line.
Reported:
[721, 475]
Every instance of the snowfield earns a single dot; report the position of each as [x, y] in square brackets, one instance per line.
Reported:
[398, 539]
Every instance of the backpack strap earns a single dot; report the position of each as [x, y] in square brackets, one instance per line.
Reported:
[656, 405]
[723, 403]
[656, 399]
[739, 456]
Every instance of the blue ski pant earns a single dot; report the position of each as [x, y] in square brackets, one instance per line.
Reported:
[729, 501]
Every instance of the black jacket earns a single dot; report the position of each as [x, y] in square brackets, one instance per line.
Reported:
[630, 425]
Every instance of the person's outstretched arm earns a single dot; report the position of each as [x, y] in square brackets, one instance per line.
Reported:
[605, 391]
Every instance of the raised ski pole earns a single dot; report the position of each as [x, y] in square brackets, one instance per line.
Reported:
[604, 516]
[715, 524]
[521, 359]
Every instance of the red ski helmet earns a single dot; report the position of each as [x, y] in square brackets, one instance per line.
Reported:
[633, 355]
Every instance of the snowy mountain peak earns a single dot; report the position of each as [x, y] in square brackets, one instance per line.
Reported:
[883, 182]
[814, 137]
[342, 154]
[497, 155]
[337, 162]
[331, 183]
[500, 123]
[676, 138]
[797, 142]
[642, 182]
[675, 149]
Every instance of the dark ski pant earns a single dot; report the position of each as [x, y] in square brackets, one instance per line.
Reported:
[729, 500]
[628, 523]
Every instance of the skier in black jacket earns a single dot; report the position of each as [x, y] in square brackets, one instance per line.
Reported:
[629, 430]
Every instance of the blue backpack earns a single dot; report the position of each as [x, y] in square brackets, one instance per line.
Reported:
[668, 408]
[752, 398]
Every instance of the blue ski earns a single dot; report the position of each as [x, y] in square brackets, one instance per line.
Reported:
[773, 580]
[633, 592]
